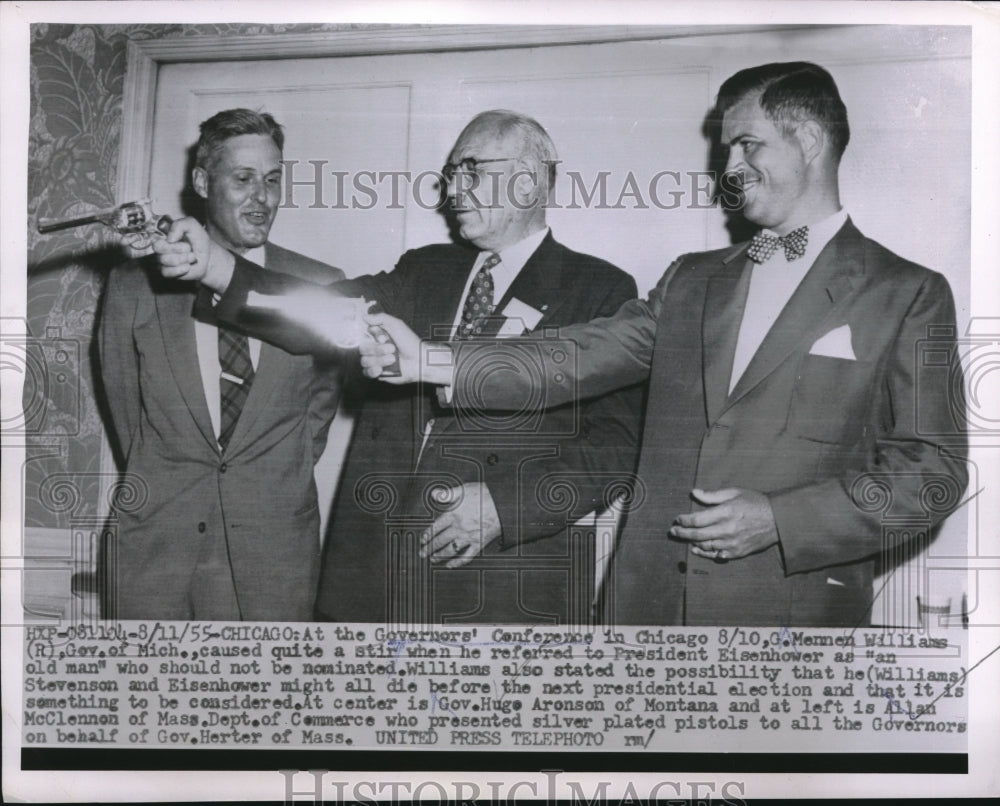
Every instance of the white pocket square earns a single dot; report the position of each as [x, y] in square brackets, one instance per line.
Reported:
[835, 344]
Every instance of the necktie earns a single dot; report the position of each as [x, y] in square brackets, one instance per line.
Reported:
[479, 302]
[763, 246]
[234, 381]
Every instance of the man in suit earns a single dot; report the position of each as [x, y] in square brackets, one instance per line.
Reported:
[440, 517]
[790, 419]
[224, 431]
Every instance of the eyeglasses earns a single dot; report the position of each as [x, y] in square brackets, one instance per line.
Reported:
[470, 165]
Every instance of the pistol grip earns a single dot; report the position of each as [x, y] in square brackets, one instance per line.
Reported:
[393, 369]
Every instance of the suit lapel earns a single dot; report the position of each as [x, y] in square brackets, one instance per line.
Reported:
[173, 311]
[725, 300]
[272, 370]
[828, 283]
[536, 285]
[538, 282]
[438, 304]
[273, 366]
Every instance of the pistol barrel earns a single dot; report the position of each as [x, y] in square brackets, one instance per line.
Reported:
[131, 217]
[53, 224]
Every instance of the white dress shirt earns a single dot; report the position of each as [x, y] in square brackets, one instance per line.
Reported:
[512, 260]
[207, 342]
[772, 284]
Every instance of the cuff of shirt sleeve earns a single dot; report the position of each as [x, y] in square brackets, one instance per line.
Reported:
[438, 361]
[444, 395]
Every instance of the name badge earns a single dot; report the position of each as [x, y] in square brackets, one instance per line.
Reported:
[520, 318]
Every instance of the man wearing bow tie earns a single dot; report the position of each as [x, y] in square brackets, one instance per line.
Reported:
[443, 517]
[789, 420]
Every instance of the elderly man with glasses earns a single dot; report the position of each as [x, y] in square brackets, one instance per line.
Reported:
[461, 518]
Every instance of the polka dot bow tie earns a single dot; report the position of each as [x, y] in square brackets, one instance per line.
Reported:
[763, 246]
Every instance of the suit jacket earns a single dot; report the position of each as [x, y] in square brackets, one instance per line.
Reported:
[856, 456]
[261, 495]
[371, 571]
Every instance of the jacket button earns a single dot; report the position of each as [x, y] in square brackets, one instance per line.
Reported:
[223, 467]
[492, 459]
[202, 527]
[682, 567]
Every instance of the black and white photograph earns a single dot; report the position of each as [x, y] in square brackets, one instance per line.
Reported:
[597, 401]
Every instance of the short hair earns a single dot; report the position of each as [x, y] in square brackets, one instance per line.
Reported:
[789, 93]
[232, 123]
[536, 142]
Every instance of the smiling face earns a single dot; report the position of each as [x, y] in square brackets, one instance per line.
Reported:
[242, 189]
[491, 206]
[774, 166]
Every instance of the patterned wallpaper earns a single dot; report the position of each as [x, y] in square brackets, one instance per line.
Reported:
[77, 79]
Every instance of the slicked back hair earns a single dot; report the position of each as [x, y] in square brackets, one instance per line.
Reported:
[232, 123]
[536, 142]
[789, 93]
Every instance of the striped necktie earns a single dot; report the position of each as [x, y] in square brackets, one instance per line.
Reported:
[235, 381]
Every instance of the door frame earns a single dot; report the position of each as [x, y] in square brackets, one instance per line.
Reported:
[145, 57]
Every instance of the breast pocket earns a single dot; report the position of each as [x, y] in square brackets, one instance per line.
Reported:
[829, 399]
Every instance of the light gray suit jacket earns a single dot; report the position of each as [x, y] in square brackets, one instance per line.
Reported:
[857, 455]
[260, 496]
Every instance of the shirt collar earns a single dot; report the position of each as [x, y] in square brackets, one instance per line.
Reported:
[820, 234]
[516, 255]
[255, 255]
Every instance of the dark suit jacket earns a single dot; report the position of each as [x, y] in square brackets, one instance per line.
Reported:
[261, 495]
[370, 568]
[856, 456]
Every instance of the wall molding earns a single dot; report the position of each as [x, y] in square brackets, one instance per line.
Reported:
[145, 57]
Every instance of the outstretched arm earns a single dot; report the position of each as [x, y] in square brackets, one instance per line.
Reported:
[294, 314]
[584, 360]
